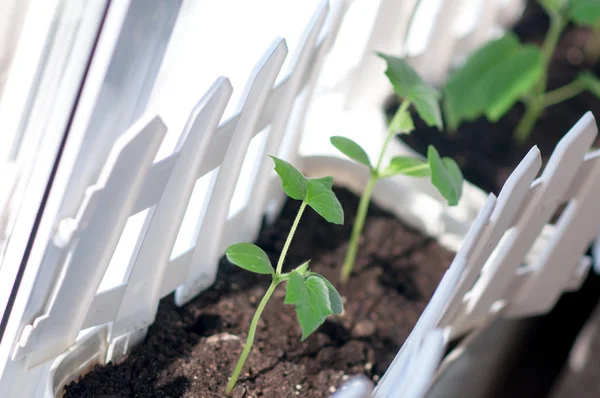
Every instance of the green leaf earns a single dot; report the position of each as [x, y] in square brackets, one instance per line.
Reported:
[311, 298]
[402, 122]
[590, 82]
[459, 100]
[295, 291]
[408, 166]
[351, 149]
[322, 199]
[292, 180]
[302, 268]
[554, 6]
[492, 80]
[512, 79]
[249, 257]
[337, 305]
[585, 12]
[409, 85]
[445, 176]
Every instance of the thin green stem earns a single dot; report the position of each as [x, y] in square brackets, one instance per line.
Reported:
[557, 25]
[534, 105]
[562, 93]
[251, 332]
[277, 279]
[403, 108]
[288, 241]
[525, 126]
[357, 228]
[363, 205]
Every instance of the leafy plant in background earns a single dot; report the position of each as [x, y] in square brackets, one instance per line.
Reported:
[586, 13]
[444, 172]
[505, 71]
[314, 296]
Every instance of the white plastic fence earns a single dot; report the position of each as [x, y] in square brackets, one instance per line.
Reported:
[489, 276]
[69, 313]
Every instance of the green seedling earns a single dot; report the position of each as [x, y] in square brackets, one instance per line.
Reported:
[444, 172]
[505, 71]
[314, 296]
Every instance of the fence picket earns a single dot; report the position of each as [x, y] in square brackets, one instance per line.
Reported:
[140, 302]
[119, 182]
[507, 205]
[434, 62]
[205, 258]
[498, 274]
[573, 234]
[442, 298]
[247, 228]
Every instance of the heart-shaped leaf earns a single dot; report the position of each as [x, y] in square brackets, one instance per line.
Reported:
[322, 199]
[408, 84]
[408, 166]
[249, 257]
[492, 80]
[585, 12]
[554, 6]
[292, 180]
[337, 305]
[311, 297]
[460, 102]
[351, 149]
[510, 80]
[445, 176]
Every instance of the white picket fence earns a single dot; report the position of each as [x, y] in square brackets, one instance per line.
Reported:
[81, 301]
[489, 276]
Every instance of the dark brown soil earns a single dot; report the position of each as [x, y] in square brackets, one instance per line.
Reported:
[487, 155]
[191, 351]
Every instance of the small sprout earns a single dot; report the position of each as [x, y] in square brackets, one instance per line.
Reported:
[505, 71]
[314, 297]
[444, 172]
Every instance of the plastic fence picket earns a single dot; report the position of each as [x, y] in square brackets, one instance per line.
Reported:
[498, 274]
[94, 234]
[139, 302]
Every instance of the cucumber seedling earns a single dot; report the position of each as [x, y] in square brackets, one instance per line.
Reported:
[444, 172]
[314, 296]
[505, 71]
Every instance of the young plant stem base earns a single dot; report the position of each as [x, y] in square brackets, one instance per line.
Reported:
[533, 110]
[277, 279]
[357, 228]
[250, 339]
[363, 206]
